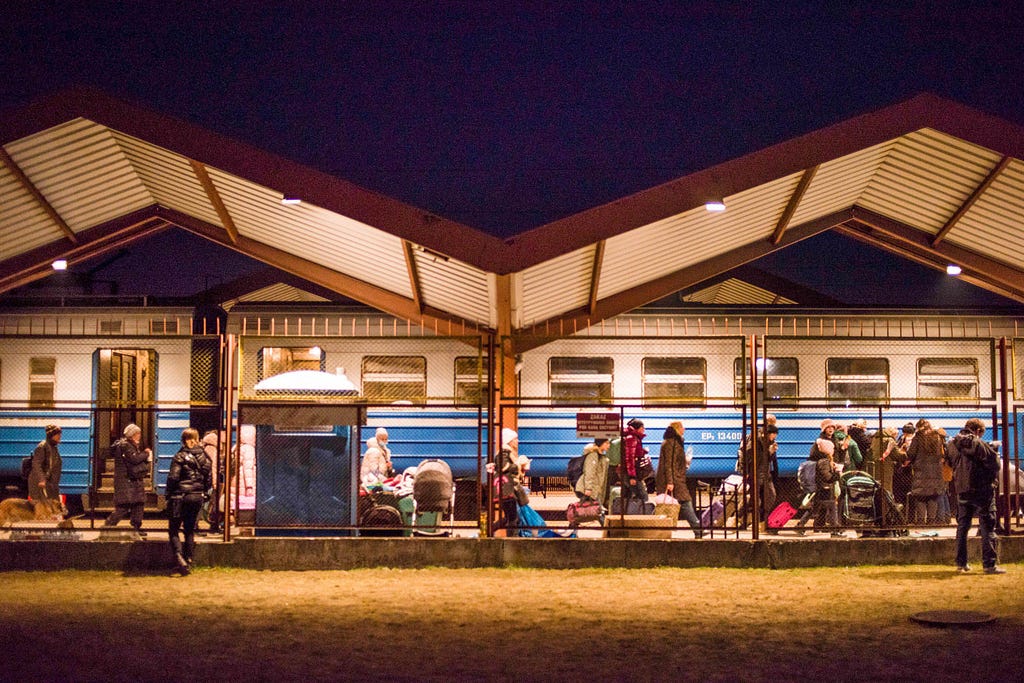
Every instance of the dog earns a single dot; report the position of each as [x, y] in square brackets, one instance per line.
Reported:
[14, 510]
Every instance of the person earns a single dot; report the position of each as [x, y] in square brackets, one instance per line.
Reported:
[826, 474]
[382, 444]
[631, 474]
[975, 470]
[847, 450]
[44, 480]
[767, 469]
[858, 431]
[131, 465]
[375, 465]
[925, 459]
[211, 446]
[593, 484]
[509, 484]
[671, 474]
[884, 456]
[188, 483]
[943, 508]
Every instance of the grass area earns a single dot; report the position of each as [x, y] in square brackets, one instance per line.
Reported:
[511, 624]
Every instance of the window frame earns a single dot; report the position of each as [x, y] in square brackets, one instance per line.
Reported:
[368, 380]
[568, 379]
[856, 378]
[925, 401]
[764, 379]
[261, 361]
[477, 384]
[42, 379]
[699, 379]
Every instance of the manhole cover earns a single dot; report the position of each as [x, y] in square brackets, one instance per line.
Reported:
[952, 618]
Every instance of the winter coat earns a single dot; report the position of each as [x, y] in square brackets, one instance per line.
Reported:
[672, 466]
[863, 441]
[975, 467]
[847, 450]
[595, 474]
[925, 457]
[632, 449]
[191, 472]
[130, 466]
[46, 464]
[825, 474]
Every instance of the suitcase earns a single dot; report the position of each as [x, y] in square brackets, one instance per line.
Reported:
[633, 507]
[712, 515]
[782, 513]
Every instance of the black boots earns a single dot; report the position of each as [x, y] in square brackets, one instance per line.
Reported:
[183, 565]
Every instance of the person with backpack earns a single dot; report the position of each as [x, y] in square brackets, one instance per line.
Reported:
[634, 459]
[975, 470]
[188, 483]
[671, 475]
[807, 476]
[131, 465]
[44, 475]
[826, 475]
[592, 482]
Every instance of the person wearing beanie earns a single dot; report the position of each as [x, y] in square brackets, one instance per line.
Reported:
[374, 470]
[636, 464]
[509, 482]
[131, 465]
[44, 480]
[824, 507]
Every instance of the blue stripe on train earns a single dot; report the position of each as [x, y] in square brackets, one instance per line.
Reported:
[549, 438]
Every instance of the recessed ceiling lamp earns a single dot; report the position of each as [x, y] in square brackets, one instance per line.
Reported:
[290, 199]
[60, 264]
[715, 205]
[953, 270]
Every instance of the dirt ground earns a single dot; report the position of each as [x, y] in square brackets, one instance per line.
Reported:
[509, 624]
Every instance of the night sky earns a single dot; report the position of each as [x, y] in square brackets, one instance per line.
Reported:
[509, 115]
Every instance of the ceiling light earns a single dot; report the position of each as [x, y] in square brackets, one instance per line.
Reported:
[60, 264]
[290, 199]
[953, 270]
[715, 205]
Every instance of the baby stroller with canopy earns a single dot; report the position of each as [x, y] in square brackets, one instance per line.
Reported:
[433, 495]
[865, 505]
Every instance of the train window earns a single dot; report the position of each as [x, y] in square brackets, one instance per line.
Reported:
[42, 379]
[781, 377]
[163, 326]
[470, 379]
[947, 379]
[273, 360]
[395, 378]
[675, 380]
[857, 380]
[574, 379]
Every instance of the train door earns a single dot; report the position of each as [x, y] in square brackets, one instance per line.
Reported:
[125, 381]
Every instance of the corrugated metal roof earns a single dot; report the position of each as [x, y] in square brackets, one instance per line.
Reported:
[451, 285]
[273, 293]
[736, 292]
[554, 286]
[993, 224]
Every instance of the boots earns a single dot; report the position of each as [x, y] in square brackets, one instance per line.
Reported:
[183, 566]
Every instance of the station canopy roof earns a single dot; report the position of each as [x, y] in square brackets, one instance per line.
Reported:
[928, 179]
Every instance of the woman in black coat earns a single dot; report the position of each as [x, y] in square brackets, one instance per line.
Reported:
[131, 465]
[188, 484]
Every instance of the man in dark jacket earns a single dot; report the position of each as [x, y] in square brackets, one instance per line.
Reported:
[975, 468]
[44, 480]
[131, 465]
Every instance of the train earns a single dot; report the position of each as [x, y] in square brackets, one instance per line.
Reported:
[93, 369]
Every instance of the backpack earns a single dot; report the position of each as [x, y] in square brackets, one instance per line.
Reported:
[807, 475]
[614, 453]
[574, 470]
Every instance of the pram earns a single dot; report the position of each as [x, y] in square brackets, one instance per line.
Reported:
[866, 506]
[433, 496]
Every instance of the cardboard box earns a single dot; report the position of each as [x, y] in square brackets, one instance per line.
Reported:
[638, 526]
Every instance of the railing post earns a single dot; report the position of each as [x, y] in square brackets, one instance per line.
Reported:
[755, 496]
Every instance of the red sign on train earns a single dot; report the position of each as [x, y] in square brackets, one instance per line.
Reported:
[598, 425]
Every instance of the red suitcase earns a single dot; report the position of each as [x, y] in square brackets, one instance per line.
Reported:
[780, 515]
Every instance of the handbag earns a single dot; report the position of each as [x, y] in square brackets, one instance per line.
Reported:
[644, 467]
[583, 511]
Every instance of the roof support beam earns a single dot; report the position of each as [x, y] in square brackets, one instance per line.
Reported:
[38, 263]
[673, 282]
[371, 295]
[414, 278]
[218, 204]
[595, 275]
[909, 242]
[794, 201]
[6, 160]
[978, 191]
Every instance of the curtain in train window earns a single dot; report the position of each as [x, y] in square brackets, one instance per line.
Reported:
[948, 380]
[675, 379]
[470, 380]
[42, 382]
[778, 379]
[273, 360]
[387, 379]
[857, 381]
[573, 379]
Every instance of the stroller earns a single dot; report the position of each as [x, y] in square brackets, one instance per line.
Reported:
[433, 496]
[866, 506]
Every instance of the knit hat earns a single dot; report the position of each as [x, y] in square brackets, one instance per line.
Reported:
[827, 423]
[52, 429]
[909, 428]
[507, 436]
[825, 446]
[381, 432]
[131, 430]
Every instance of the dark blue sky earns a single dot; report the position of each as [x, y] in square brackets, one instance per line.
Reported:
[508, 115]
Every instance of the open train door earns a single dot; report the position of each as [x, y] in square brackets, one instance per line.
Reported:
[125, 392]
